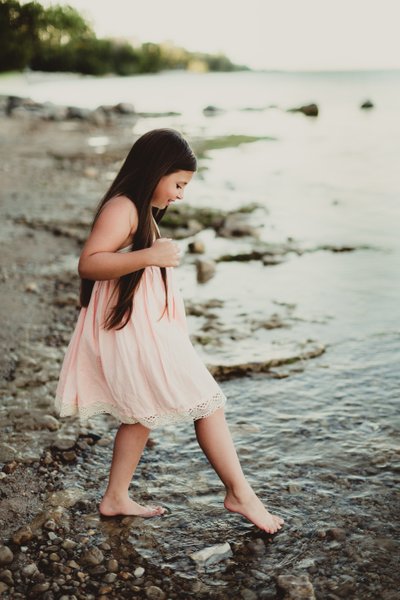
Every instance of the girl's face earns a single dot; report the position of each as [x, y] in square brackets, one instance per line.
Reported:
[170, 188]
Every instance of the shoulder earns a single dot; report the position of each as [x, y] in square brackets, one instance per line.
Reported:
[122, 205]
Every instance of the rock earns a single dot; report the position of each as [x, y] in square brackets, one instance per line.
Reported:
[7, 577]
[10, 467]
[367, 104]
[7, 452]
[74, 112]
[30, 570]
[32, 287]
[69, 544]
[124, 108]
[39, 588]
[112, 565]
[66, 498]
[93, 556]
[236, 225]
[69, 456]
[47, 422]
[336, 533]
[138, 572]
[3, 587]
[23, 535]
[295, 587]
[212, 110]
[155, 593]
[6, 555]
[98, 117]
[53, 112]
[205, 270]
[64, 442]
[310, 110]
[212, 554]
[196, 247]
[50, 525]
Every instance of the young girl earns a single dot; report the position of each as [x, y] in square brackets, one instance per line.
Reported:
[130, 354]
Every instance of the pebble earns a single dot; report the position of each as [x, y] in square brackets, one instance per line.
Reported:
[155, 593]
[93, 556]
[24, 534]
[6, 555]
[30, 570]
[138, 572]
[112, 565]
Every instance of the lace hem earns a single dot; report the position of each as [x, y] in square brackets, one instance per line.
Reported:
[204, 409]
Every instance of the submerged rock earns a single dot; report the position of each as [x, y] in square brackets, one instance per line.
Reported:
[310, 110]
[367, 104]
[212, 554]
[295, 587]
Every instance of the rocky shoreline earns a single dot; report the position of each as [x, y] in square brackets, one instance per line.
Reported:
[55, 544]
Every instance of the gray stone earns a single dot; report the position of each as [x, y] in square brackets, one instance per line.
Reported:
[30, 570]
[212, 554]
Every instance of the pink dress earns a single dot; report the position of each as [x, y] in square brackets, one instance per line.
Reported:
[147, 372]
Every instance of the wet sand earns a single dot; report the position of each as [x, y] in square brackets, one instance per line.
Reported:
[311, 445]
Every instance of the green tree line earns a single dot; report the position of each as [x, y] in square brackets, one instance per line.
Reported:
[59, 39]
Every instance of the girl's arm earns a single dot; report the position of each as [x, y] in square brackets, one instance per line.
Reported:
[116, 223]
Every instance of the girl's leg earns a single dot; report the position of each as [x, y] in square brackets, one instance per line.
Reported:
[129, 443]
[216, 442]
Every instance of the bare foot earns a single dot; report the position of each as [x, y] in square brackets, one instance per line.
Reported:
[250, 506]
[109, 507]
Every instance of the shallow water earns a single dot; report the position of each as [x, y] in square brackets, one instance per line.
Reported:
[320, 452]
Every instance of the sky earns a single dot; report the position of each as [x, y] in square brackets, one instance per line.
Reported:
[263, 34]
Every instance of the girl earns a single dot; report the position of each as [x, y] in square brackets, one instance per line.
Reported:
[130, 354]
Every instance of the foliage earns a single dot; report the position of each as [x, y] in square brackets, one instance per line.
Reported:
[59, 39]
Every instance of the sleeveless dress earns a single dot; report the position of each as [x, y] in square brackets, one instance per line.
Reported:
[148, 372]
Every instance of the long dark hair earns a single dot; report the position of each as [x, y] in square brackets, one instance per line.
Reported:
[157, 153]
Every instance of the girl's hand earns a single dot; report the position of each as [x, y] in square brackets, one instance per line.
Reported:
[165, 253]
